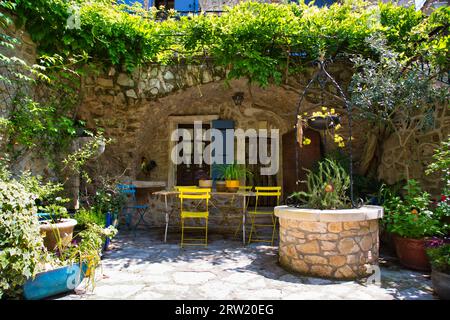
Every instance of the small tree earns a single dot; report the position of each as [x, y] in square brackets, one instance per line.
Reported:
[396, 96]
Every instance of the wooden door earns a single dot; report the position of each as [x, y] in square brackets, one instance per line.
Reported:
[188, 174]
[308, 156]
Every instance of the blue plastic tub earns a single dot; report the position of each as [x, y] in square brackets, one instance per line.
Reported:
[53, 282]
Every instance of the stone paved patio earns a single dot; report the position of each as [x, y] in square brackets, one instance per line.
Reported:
[145, 268]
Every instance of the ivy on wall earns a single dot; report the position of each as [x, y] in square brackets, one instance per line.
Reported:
[253, 40]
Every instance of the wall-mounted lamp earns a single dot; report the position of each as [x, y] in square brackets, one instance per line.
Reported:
[238, 98]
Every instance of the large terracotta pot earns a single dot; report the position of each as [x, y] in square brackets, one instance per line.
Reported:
[411, 253]
[441, 284]
[53, 231]
[232, 185]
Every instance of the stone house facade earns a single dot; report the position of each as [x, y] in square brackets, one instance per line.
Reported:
[139, 111]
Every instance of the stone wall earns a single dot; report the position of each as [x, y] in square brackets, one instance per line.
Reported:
[398, 163]
[24, 49]
[140, 110]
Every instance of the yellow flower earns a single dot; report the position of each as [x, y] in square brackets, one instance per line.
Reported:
[332, 111]
[338, 138]
[324, 108]
[341, 144]
[338, 126]
[306, 141]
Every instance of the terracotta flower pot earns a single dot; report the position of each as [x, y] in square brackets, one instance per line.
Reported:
[221, 186]
[205, 183]
[232, 185]
[411, 253]
[53, 231]
[441, 284]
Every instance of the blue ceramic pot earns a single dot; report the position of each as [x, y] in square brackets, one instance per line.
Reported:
[53, 282]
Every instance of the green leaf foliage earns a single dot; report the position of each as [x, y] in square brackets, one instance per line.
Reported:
[253, 40]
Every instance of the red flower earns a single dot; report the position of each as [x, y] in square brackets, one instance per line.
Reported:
[443, 198]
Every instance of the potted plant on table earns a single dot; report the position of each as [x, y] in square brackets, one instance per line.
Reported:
[204, 181]
[231, 173]
[439, 253]
[411, 222]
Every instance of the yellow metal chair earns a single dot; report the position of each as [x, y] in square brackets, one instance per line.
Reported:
[178, 188]
[254, 214]
[203, 195]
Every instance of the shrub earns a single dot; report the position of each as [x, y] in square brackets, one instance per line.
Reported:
[439, 254]
[409, 215]
[326, 187]
[85, 217]
[21, 246]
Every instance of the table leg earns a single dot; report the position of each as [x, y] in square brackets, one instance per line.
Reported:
[243, 220]
[167, 218]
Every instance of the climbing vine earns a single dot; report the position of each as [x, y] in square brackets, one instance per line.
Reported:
[260, 42]
[253, 40]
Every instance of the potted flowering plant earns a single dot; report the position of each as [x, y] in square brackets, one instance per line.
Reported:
[324, 120]
[441, 165]
[439, 253]
[411, 221]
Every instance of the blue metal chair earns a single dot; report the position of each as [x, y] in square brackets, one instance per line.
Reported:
[132, 207]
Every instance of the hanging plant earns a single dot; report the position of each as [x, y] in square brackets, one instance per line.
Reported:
[325, 120]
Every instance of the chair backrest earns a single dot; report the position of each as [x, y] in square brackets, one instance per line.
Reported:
[178, 188]
[245, 188]
[195, 194]
[267, 192]
[127, 189]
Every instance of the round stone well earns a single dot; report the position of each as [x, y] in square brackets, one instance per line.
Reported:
[336, 244]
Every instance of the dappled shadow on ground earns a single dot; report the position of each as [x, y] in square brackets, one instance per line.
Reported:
[226, 255]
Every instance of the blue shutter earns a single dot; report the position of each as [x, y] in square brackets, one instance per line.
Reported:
[131, 2]
[186, 6]
[228, 144]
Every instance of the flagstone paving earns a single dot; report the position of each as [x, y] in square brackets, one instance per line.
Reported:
[143, 267]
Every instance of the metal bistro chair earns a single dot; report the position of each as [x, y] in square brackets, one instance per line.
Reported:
[131, 209]
[254, 214]
[202, 194]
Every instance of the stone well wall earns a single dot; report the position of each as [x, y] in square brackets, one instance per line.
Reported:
[330, 248]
